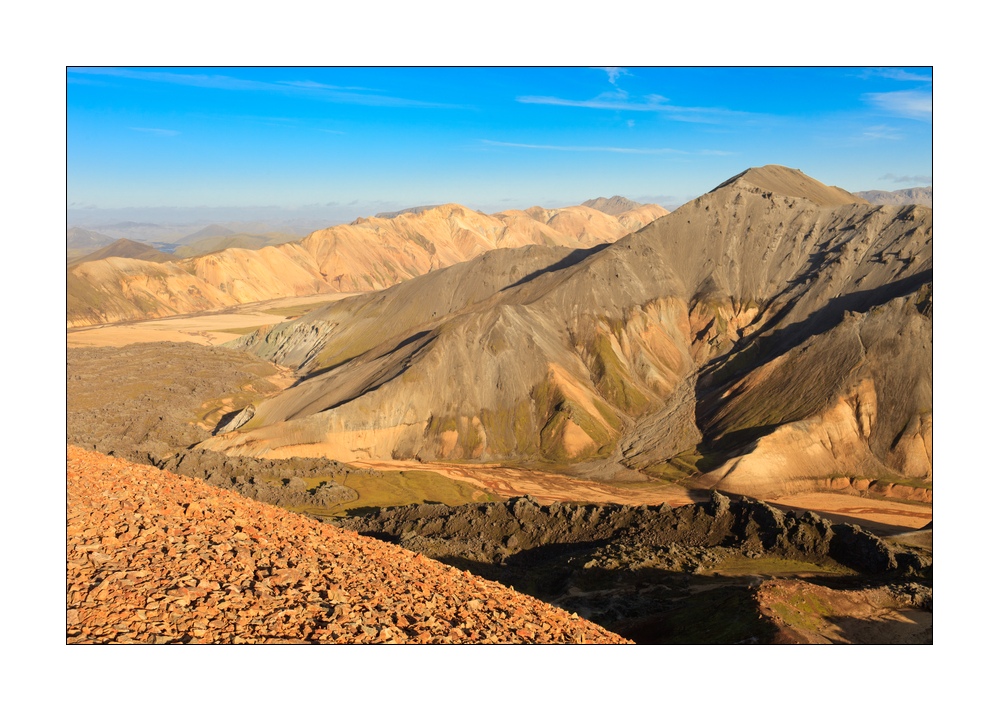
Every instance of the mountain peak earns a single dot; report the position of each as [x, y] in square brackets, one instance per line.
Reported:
[612, 206]
[791, 182]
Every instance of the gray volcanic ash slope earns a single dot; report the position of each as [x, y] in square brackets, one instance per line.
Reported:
[763, 338]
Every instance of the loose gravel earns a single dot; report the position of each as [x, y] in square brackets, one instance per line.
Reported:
[153, 557]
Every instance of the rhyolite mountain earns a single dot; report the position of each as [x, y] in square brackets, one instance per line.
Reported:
[368, 255]
[768, 337]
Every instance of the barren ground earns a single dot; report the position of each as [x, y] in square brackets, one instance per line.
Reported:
[546, 487]
[207, 328]
[883, 516]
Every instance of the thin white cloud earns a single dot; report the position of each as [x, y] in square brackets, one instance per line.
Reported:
[883, 132]
[897, 74]
[914, 104]
[619, 101]
[613, 73]
[910, 179]
[604, 149]
[318, 85]
[315, 90]
[155, 131]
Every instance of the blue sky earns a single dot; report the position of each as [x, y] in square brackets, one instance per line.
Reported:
[352, 141]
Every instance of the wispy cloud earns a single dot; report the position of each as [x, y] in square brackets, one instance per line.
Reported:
[914, 104]
[896, 74]
[604, 149]
[883, 132]
[620, 101]
[613, 73]
[326, 87]
[330, 130]
[155, 131]
[910, 179]
[310, 89]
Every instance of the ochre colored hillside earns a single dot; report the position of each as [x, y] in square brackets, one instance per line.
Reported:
[367, 255]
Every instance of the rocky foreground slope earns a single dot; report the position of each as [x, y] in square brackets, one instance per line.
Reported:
[154, 558]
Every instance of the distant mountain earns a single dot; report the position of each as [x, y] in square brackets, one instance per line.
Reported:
[146, 232]
[769, 337]
[129, 225]
[367, 255]
[209, 231]
[79, 238]
[612, 206]
[908, 196]
[124, 248]
[408, 210]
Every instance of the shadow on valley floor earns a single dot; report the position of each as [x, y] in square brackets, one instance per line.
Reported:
[646, 605]
[656, 606]
[652, 605]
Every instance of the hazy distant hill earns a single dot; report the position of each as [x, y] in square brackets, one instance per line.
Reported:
[410, 210]
[81, 242]
[612, 206]
[124, 248]
[209, 231]
[369, 254]
[79, 238]
[909, 196]
[771, 336]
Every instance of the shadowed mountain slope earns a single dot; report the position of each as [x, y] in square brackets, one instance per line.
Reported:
[367, 255]
[725, 341]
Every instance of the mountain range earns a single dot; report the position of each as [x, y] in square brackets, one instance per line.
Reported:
[769, 337]
[369, 254]
[908, 196]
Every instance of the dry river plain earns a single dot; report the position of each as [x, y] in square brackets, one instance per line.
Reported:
[209, 328]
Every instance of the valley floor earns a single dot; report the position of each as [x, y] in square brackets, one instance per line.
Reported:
[207, 328]
[546, 487]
